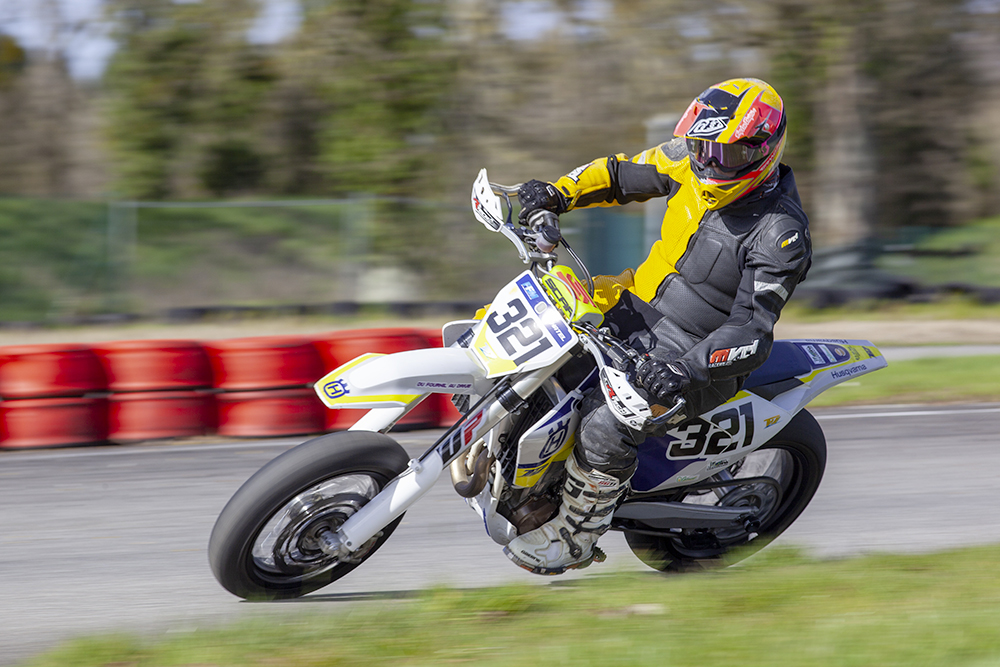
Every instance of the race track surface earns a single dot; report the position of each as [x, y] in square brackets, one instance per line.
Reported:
[103, 539]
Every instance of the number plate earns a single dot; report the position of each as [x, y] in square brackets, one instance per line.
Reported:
[522, 330]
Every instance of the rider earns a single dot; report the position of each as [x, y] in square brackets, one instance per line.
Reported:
[700, 309]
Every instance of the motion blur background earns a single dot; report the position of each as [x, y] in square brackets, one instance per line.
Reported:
[173, 158]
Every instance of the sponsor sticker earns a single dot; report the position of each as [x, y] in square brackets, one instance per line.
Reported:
[443, 385]
[828, 354]
[686, 478]
[745, 123]
[771, 421]
[715, 465]
[790, 240]
[814, 355]
[558, 330]
[727, 356]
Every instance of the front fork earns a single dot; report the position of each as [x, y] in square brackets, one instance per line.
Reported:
[423, 472]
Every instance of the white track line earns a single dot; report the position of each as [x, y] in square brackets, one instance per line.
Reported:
[908, 413]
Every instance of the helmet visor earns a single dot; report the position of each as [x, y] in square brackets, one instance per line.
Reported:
[728, 157]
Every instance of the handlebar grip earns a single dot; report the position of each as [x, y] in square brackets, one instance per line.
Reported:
[541, 217]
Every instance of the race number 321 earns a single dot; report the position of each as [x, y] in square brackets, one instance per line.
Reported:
[518, 332]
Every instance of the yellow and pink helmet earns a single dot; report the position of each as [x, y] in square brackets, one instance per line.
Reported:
[735, 134]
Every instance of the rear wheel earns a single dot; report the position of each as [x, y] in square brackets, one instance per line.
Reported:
[794, 460]
[266, 542]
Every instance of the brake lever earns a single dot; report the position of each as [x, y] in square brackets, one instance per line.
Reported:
[665, 417]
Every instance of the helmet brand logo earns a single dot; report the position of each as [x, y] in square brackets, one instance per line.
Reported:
[708, 126]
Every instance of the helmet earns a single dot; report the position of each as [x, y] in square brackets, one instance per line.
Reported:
[735, 134]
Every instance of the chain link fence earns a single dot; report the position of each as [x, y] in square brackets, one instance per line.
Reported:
[69, 262]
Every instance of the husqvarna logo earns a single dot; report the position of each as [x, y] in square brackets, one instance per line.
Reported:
[557, 436]
[336, 389]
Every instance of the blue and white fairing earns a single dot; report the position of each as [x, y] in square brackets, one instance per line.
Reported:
[795, 373]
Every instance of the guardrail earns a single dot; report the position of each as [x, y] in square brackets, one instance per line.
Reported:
[60, 395]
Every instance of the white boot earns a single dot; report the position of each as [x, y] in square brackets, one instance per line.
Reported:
[568, 540]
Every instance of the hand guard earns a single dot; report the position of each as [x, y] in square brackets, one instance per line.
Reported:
[662, 380]
[535, 195]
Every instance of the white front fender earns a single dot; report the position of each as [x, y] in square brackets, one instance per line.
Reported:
[397, 380]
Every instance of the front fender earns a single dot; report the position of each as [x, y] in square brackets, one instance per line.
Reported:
[397, 380]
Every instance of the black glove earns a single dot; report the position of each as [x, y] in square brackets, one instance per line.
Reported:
[534, 195]
[662, 380]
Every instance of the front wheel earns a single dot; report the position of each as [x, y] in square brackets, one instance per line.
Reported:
[795, 459]
[265, 543]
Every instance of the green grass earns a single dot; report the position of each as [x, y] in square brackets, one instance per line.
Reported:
[780, 609]
[954, 307]
[930, 380]
[980, 266]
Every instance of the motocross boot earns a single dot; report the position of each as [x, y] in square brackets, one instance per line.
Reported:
[569, 540]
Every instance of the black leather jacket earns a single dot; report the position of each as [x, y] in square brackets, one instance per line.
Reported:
[719, 277]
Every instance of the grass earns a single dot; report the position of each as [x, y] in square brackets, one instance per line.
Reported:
[968, 254]
[954, 307]
[780, 608]
[932, 380]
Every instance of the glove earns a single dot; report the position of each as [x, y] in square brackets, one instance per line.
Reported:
[662, 380]
[534, 195]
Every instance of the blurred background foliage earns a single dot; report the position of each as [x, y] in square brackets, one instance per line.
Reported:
[394, 105]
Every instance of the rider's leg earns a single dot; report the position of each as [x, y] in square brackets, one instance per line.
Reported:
[596, 477]
[567, 541]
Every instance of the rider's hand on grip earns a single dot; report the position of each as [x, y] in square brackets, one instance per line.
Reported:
[535, 195]
[662, 380]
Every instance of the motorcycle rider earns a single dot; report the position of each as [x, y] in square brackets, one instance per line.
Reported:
[700, 309]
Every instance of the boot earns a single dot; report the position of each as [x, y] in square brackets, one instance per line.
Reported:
[568, 540]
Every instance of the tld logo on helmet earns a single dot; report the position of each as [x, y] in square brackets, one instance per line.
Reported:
[708, 127]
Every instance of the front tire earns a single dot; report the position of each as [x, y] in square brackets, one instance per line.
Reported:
[795, 458]
[264, 544]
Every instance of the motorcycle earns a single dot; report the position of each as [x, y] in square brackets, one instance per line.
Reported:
[734, 477]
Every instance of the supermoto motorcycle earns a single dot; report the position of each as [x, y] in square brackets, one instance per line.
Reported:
[736, 476]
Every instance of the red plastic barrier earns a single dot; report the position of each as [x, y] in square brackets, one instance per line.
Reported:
[155, 365]
[53, 422]
[154, 415]
[41, 371]
[265, 362]
[269, 413]
[337, 348]
[447, 413]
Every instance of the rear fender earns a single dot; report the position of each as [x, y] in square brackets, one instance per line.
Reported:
[401, 379]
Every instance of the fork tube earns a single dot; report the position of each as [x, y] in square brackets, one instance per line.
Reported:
[422, 473]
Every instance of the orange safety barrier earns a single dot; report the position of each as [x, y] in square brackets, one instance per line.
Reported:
[53, 422]
[270, 413]
[128, 391]
[155, 365]
[155, 415]
[263, 362]
[41, 371]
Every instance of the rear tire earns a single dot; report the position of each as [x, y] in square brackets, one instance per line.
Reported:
[796, 457]
[263, 545]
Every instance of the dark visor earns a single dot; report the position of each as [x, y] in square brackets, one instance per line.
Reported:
[728, 156]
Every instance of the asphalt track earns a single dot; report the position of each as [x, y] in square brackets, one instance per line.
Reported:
[104, 539]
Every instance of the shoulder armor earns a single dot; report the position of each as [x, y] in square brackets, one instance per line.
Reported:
[675, 149]
[786, 238]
